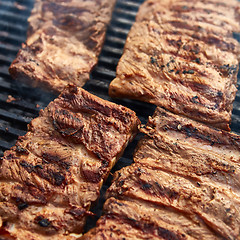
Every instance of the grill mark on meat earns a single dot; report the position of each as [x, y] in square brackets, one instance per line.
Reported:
[201, 169]
[211, 14]
[185, 49]
[196, 27]
[216, 21]
[180, 141]
[95, 175]
[63, 43]
[90, 105]
[78, 212]
[203, 68]
[147, 228]
[192, 129]
[223, 43]
[77, 131]
[189, 198]
[55, 159]
[207, 6]
[53, 176]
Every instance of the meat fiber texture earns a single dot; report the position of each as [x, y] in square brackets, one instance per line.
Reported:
[54, 173]
[184, 184]
[63, 43]
[181, 55]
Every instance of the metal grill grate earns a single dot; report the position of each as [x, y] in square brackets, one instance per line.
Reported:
[16, 114]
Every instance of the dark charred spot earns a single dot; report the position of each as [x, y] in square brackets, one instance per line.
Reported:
[22, 206]
[119, 204]
[49, 158]
[153, 60]
[55, 178]
[195, 99]
[42, 222]
[177, 72]
[219, 94]
[172, 70]
[165, 128]
[185, 7]
[226, 69]
[146, 186]
[168, 235]
[175, 43]
[149, 227]
[120, 183]
[91, 175]
[187, 130]
[29, 167]
[197, 60]
[20, 149]
[228, 210]
[188, 71]
[20, 203]
[39, 166]
[77, 213]
[58, 178]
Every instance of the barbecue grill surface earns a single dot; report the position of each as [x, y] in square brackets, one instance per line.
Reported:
[20, 103]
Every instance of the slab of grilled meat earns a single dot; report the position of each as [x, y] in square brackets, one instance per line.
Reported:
[184, 184]
[53, 174]
[187, 61]
[63, 43]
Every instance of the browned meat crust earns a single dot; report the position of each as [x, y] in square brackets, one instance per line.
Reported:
[64, 40]
[184, 184]
[53, 174]
[187, 60]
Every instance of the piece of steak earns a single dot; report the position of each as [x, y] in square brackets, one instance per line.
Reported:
[53, 174]
[187, 61]
[63, 42]
[184, 184]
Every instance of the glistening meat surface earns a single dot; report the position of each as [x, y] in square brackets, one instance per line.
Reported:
[53, 174]
[184, 184]
[63, 43]
[187, 61]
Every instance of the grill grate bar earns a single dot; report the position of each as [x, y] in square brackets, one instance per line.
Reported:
[14, 117]
[4, 146]
[12, 27]
[13, 131]
[13, 17]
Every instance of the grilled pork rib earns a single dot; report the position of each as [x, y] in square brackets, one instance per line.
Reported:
[184, 184]
[63, 43]
[53, 174]
[187, 61]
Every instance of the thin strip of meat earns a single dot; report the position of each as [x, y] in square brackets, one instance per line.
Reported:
[54, 173]
[184, 184]
[63, 43]
[187, 61]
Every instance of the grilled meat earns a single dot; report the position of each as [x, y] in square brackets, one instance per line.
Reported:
[187, 61]
[63, 43]
[53, 174]
[184, 184]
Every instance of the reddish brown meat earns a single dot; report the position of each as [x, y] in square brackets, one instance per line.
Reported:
[64, 40]
[53, 174]
[184, 184]
[187, 60]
